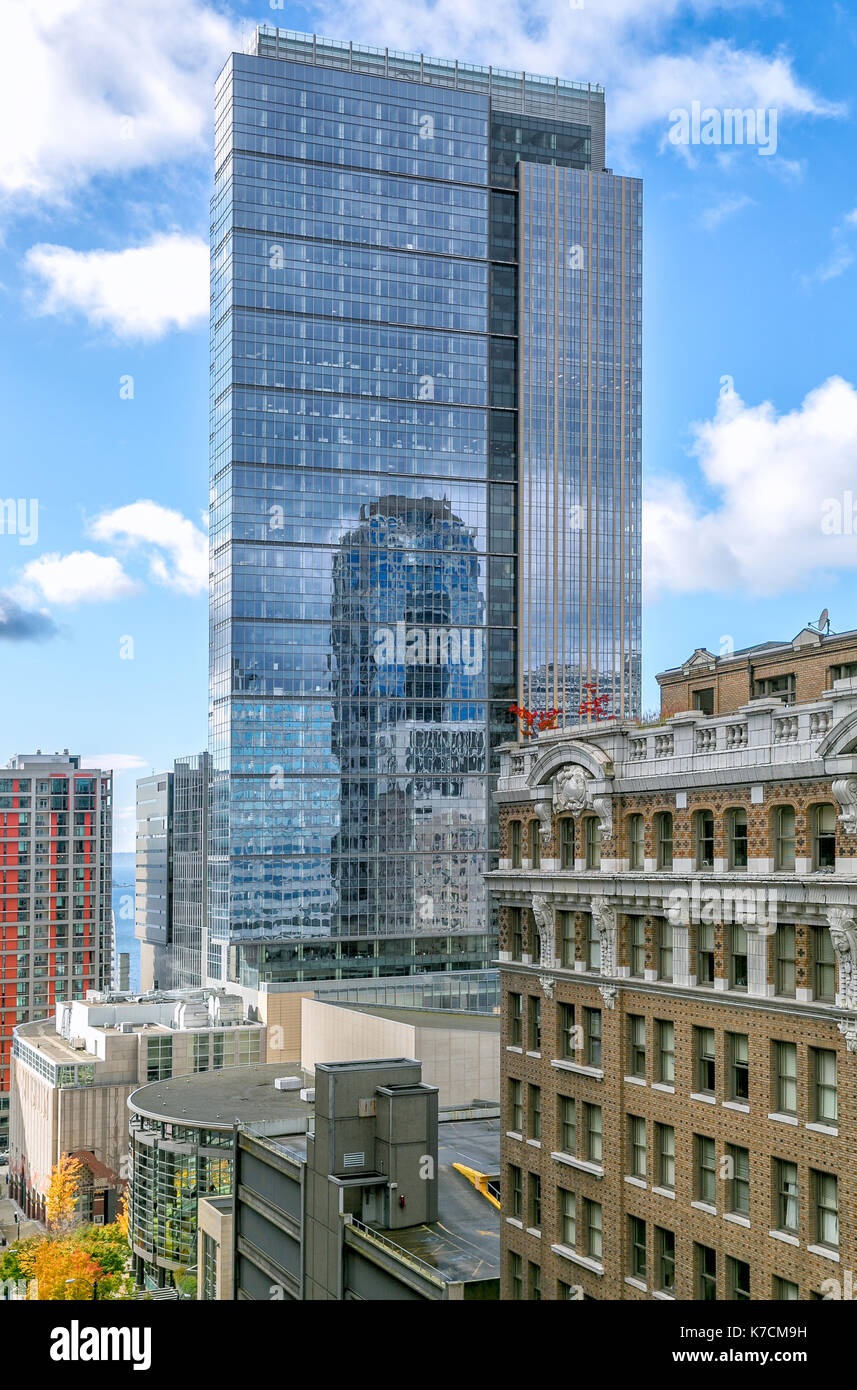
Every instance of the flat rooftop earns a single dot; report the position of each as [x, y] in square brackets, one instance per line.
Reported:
[422, 1018]
[464, 1242]
[217, 1099]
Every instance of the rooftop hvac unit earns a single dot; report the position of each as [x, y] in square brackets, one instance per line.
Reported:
[78, 1044]
[287, 1083]
[308, 1093]
[126, 1027]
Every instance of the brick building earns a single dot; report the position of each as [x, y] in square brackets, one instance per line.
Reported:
[678, 949]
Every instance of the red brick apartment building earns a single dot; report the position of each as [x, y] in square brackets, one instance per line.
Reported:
[678, 956]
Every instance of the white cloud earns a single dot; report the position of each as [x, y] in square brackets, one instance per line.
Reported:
[719, 212]
[176, 549]
[80, 577]
[117, 762]
[139, 292]
[627, 45]
[775, 483]
[88, 87]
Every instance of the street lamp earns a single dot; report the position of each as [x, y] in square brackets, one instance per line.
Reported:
[93, 1283]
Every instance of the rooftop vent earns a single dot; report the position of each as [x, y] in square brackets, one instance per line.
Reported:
[287, 1083]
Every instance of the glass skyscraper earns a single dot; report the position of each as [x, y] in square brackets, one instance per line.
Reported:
[425, 475]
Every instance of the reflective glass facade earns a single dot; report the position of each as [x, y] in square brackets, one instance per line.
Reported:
[364, 503]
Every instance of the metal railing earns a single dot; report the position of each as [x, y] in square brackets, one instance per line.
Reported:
[426, 1270]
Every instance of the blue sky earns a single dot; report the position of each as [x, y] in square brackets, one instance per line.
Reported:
[750, 424]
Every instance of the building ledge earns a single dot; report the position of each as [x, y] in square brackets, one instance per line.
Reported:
[585, 1261]
[582, 1164]
[784, 1237]
[824, 1252]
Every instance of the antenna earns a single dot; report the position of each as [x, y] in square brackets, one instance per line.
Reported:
[824, 621]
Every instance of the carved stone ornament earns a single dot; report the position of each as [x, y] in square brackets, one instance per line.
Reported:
[543, 912]
[608, 994]
[544, 812]
[845, 792]
[604, 916]
[603, 808]
[843, 934]
[547, 983]
[848, 1029]
[571, 790]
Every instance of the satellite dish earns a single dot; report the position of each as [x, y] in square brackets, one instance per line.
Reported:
[824, 620]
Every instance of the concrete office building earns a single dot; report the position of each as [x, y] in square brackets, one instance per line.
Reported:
[425, 475]
[678, 908]
[172, 875]
[72, 1075]
[56, 918]
[365, 1205]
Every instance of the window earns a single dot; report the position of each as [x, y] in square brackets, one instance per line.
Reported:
[516, 1283]
[665, 949]
[739, 1186]
[824, 963]
[664, 839]
[703, 700]
[159, 1059]
[785, 1086]
[665, 1256]
[705, 954]
[738, 956]
[568, 1124]
[636, 1247]
[535, 1201]
[200, 1052]
[784, 838]
[665, 1156]
[592, 1217]
[516, 1191]
[665, 1032]
[535, 1277]
[516, 1106]
[515, 843]
[593, 943]
[783, 687]
[636, 843]
[535, 1112]
[637, 946]
[593, 842]
[739, 1066]
[785, 1290]
[637, 1146]
[739, 1280]
[736, 823]
[535, 845]
[567, 1218]
[566, 937]
[566, 843]
[704, 830]
[567, 1032]
[517, 932]
[825, 1104]
[534, 1036]
[706, 1172]
[845, 671]
[516, 1032]
[706, 1273]
[636, 1045]
[825, 1186]
[785, 1196]
[592, 1037]
[785, 960]
[823, 819]
[705, 1060]
[594, 1133]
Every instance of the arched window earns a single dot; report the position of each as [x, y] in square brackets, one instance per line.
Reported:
[515, 846]
[593, 843]
[823, 829]
[664, 839]
[636, 843]
[704, 833]
[736, 831]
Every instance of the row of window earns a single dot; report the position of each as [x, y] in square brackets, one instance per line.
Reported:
[821, 828]
[582, 1042]
[820, 969]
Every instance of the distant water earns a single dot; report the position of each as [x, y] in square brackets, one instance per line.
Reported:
[123, 912]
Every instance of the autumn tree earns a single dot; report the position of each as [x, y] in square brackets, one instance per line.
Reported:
[61, 1196]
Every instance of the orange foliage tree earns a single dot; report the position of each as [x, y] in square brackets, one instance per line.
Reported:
[61, 1270]
[61, 1196]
